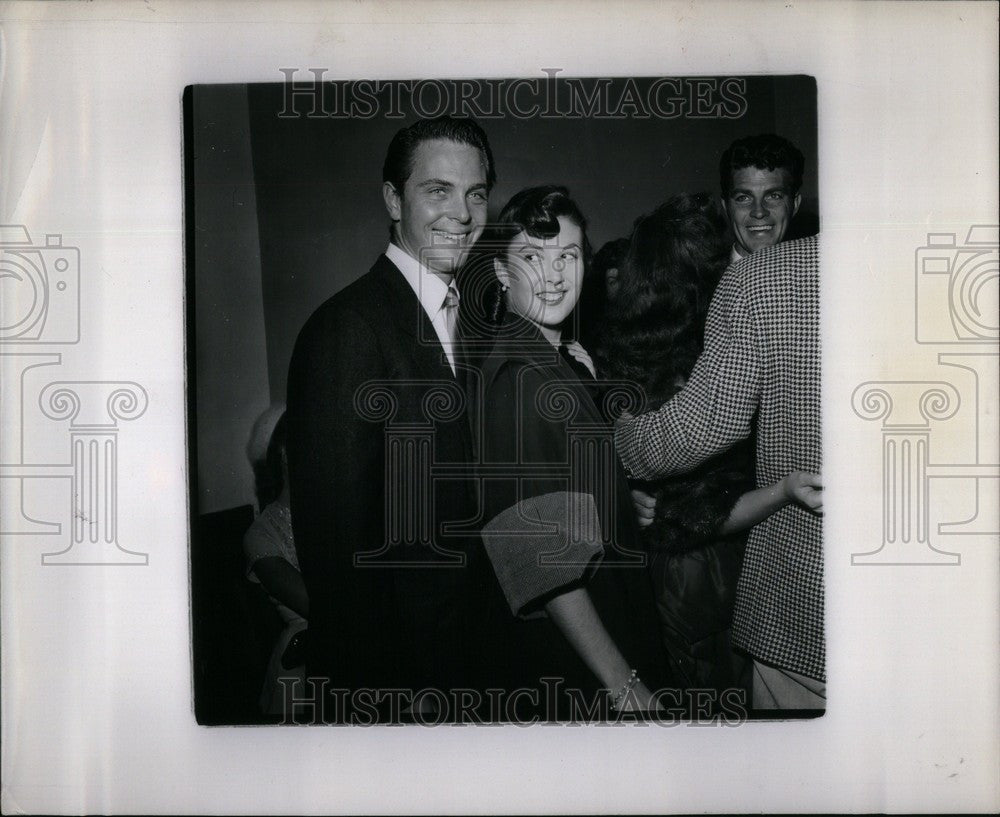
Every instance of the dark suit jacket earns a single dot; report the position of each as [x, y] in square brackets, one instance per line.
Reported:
[384, 514]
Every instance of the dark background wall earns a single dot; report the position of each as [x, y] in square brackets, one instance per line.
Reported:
[316, 177]
[322, 221]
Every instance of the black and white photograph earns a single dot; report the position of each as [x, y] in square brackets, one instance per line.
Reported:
[465, 407]
[413, 501]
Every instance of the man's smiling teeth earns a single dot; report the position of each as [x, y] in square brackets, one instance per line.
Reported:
[764, 228]
[448, 238]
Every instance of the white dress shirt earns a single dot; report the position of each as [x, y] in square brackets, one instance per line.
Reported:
[430, 291]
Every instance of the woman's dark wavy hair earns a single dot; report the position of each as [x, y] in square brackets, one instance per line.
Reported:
[536, 211]
[652, 334]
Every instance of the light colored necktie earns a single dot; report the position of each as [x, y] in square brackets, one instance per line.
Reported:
[451, 312]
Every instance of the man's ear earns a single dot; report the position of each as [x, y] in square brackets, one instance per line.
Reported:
[797, 201]
[392, 199]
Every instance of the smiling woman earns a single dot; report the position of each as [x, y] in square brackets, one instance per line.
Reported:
[542, 268]
[560, 534]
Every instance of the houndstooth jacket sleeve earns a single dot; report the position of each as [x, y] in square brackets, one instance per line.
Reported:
[715, 409]
[760, 369]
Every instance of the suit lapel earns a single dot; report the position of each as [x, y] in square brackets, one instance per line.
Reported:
[403, 308]
[411, 318]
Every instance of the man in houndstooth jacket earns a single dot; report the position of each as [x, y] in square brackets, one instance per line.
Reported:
[759, 371]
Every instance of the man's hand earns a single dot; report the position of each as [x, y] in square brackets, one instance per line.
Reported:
[803, 489]
[645, 507]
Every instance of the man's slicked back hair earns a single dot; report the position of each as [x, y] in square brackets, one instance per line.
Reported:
[399, 157]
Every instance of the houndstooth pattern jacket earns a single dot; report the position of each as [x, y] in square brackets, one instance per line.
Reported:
[760, 368]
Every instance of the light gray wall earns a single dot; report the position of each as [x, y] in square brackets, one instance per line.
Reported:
[232, 386]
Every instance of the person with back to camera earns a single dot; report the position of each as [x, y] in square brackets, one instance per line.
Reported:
[653, 336]
[759, 374]
[586, 617]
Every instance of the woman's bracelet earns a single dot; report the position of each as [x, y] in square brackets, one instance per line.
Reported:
[627, 687]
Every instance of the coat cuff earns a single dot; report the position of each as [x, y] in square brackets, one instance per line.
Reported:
[543, 543]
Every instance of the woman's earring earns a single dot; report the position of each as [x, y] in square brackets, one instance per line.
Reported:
[501, 272]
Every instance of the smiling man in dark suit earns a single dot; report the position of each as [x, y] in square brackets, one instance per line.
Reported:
[389, 551]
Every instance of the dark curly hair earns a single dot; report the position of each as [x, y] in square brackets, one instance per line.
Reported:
[594, 292]
[610, 256]
[535, 211]
[767, 152]
[652, 334]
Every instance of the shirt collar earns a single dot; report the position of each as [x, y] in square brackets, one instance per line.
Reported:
[734, 255]
[428, 287]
